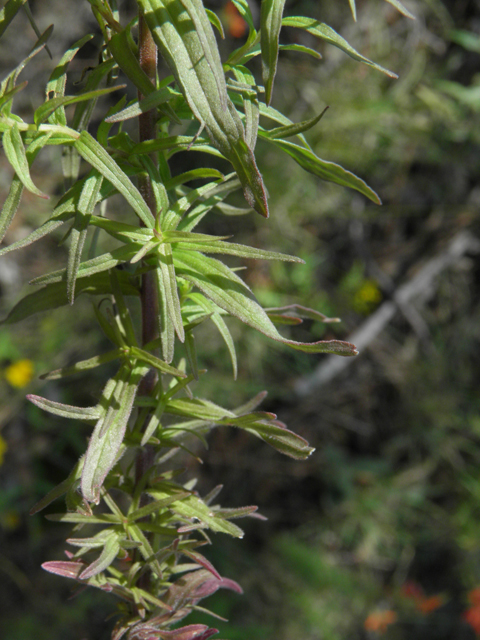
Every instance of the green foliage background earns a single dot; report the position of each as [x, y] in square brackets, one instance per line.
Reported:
[392, 493]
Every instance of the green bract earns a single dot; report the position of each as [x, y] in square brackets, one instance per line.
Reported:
[147, 411]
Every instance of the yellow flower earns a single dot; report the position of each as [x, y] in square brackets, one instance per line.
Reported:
[367, 297]
[3, 448]
[19, 373]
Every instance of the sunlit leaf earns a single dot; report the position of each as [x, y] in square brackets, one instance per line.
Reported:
[183, 27]
[229, 292]
[9, 11]
[15, 152]
[324, 32]
[329, 171]
[65, 410]
[271, 13]
[98, 158]
[105, 445]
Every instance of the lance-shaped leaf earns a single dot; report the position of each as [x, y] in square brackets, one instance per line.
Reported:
[219, 322]
[328, 171]
[86, 206]
[167, 273]
[288, 131]
[9, 11]
[401, 7]
[250, 105]
[229, 292]
[167, 331]
[324, 32]
[83, 365]
[104, 262]
[65, 410]
[108, 555]
[353, 9]
[104, 449]
[50, 106]
[55, 295]
[271, 13]
[153, 361]
[64, 568]
[233, 249]
[274, 433]
[59, 490]
[184, 35]
[58, 80]
[97, 157]
[37, 234]
[10, 205]
[193, 507]
[152, 101]
[15, 152]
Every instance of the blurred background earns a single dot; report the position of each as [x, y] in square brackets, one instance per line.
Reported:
[378, 533]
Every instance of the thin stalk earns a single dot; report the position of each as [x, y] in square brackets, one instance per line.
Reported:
[148, 61]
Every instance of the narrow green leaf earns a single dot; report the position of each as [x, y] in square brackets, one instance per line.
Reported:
[167, 271]
[183, 27]
[78, 518]
[401, 7]
[123, 311]
[288, 131]
[353, 9]
[191, 351]
[324, 32]
[193, 507]
[273, 433]
[86, 206]
[65, 410]
[271, 13]
[301, 49]
[156, 506]
[325, 170]
[153, 361]
[50, 106]
[167, 332]
[9, 11]
[15, 152]
[108, 555]
[84, 110]
[219, 322]
[10, 206]
[250, 105]
[119, 45]
[194, 174]
[217, 23]
[58, 80]
[83, 365]
[97, 157]
[8, 95]
[55, 295]
[104, 262]
[104, 449]
[233, 249]
[59, 490]
[152, 101]
[43, 230]
[229, 292]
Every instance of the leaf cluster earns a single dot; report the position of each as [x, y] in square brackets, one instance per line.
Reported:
[143, 550]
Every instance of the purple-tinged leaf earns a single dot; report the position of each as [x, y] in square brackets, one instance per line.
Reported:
[191, 632]
[202, 561]
[229, 292]
[64, 568]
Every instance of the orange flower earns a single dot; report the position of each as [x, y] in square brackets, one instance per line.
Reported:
[379, 621]
[427, 605]
[235, 24]
[472, 616]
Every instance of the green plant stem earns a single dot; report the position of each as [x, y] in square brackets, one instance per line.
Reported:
[149, 302]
